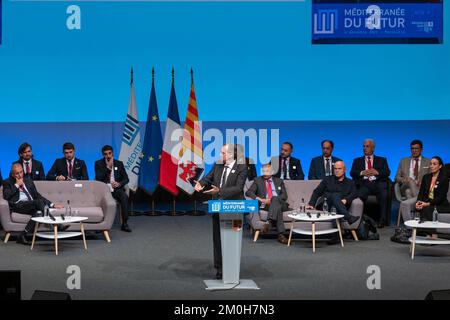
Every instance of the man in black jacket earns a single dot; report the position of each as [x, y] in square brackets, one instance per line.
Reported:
[371, 174]
[69, 167]
[112, 172]
[322, 166]
[339, 192]
[23, 197]
[32, 168]
[285, 166]
[226, 179]
[271, 193]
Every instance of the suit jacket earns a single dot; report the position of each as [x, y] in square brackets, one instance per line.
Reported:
[440, 191]
[379, 163]
[12, 194]
[295, 168]
[234, 186]
[59, 168]
[103, 173]
[317, 168]
[403, 169]
[331, 184]
[258, 188]
[37, 170]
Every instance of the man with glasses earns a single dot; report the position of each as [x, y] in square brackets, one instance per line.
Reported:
[323, 166]
[411, 170]
[68, 168]
[371, 174]
[113, 173]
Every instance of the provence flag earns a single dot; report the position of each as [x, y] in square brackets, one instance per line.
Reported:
[149, 173]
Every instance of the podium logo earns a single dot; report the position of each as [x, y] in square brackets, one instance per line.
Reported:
[215, 207]
[325, 21]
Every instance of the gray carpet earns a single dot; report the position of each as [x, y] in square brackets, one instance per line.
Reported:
[169, 257]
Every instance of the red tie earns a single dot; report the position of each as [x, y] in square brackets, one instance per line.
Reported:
[27, 167]
[369, 163]
[269, 190]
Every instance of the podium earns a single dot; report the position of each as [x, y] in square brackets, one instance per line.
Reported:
[231, 239]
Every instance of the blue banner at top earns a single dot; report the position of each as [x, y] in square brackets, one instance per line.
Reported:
[377, 22]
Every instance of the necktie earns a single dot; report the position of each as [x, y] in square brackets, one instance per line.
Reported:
[22, 189]
[27, 167]
[70, 169]
[224, 176]
[328, 167]
[284, 169]
[269, 189]
[369, 163]
[416, 169]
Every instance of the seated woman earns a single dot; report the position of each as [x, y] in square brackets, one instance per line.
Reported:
[433, 191]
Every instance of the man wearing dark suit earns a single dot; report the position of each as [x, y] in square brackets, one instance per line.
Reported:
[285, 166]
[69, 167]
[323, 166]
[251, 169]
[23, 197]
[271, 193]
[113, 173]
[227, 180]
[339, 192]
[32, 168]
[371, 174]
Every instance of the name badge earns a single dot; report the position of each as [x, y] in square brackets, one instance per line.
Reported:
[115, 168]
[233, 171]
[37, 172]
[294, 167]
[279, 188]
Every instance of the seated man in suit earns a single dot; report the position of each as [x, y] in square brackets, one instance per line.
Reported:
[271, 193]
[112, 172]
[371, 174]
[69, 167]
[23, 197]
[411, 170]
[285, 166]
[339, 192]
[32, 168]
[322, 166]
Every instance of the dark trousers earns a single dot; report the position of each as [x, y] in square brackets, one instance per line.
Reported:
[217, 242]
[31, 208]
[379, 190]
[275, 209]
[121, 197]
[335, 200]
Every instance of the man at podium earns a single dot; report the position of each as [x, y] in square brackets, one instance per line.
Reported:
[225, 181]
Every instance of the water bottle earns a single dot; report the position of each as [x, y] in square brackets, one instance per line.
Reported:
[325, 205]
[333, 211]
[46, 211]
[68, 209]
[302, 206]
[435, 215]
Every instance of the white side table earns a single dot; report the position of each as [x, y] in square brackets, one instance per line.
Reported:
[303, 217]
[55, 234]
[414, 224]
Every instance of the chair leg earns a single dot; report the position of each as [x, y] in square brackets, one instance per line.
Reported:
[106, 235]
[355, 236]
[398, 218]
[256, 236]
[7, 235]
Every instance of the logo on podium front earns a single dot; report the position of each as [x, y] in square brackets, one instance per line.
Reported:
[215, 207]
[233, 206]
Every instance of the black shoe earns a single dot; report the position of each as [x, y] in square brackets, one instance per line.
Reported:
[22, 239]
[125, 228]
[219, 275]
[351, 219]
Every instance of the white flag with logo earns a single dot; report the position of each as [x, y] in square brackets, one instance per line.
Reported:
[131, 148]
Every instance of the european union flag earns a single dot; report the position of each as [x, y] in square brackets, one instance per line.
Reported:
[149, 172]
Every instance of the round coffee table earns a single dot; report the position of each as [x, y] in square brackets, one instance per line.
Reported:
[55, 234]
[414, 224]
[303, 217]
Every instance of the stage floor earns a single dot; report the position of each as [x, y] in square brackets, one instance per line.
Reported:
[169, 257]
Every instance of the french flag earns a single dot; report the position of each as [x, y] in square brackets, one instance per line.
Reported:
[172, 145]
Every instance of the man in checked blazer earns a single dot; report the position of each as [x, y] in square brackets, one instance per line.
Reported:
[411, 171]
[226, 181]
